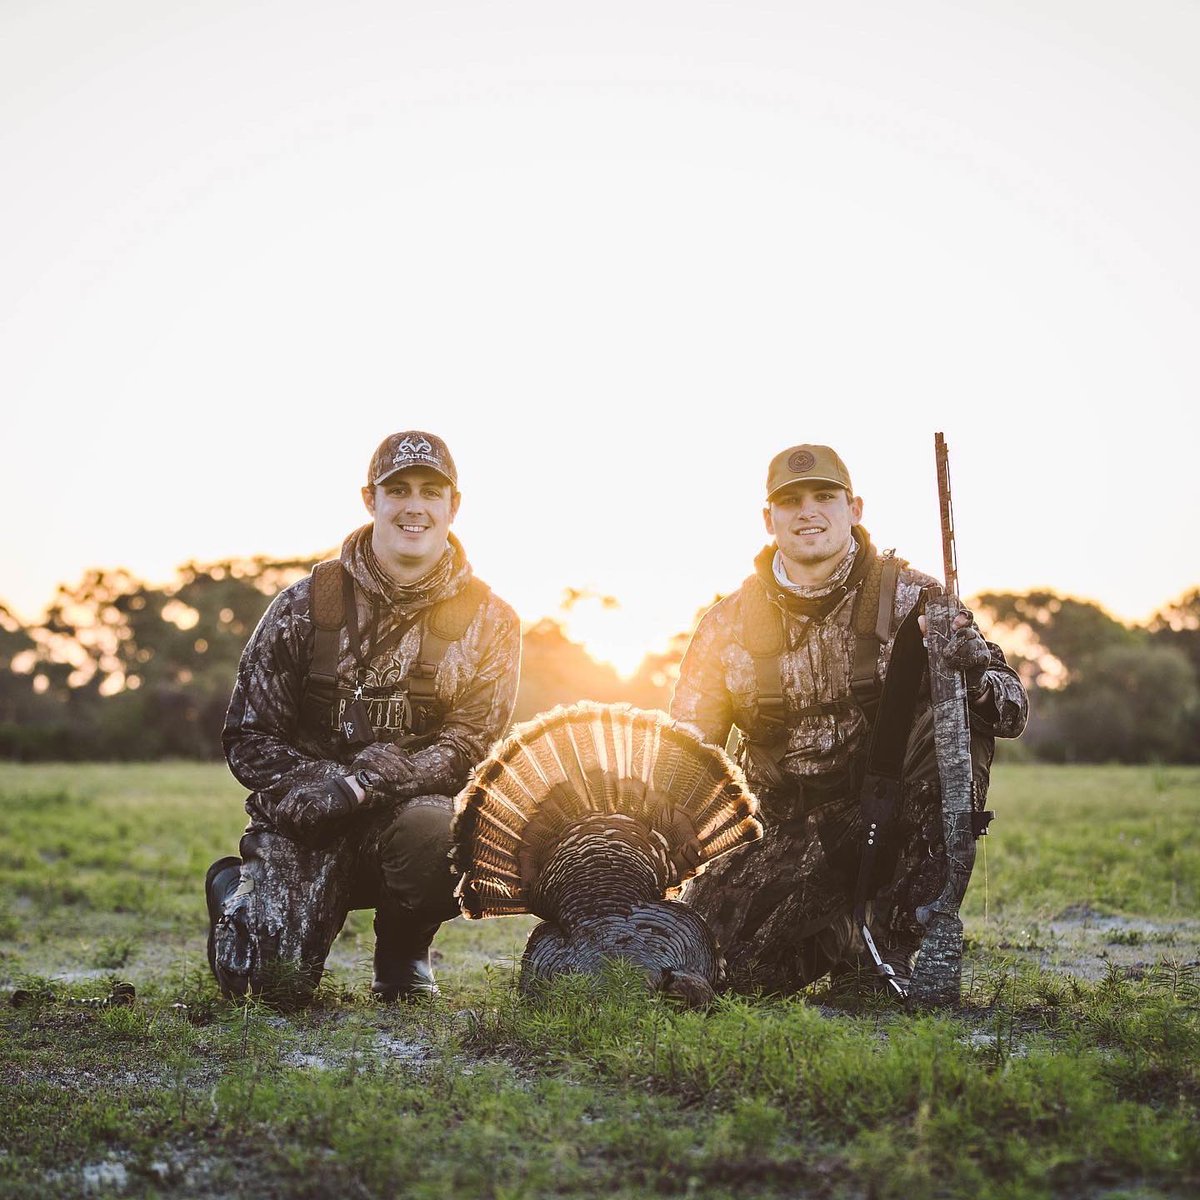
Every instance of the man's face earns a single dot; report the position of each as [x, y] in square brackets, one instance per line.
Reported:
[412, 511]
[811, 521]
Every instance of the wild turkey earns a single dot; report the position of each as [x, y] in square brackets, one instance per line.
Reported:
[591, 817]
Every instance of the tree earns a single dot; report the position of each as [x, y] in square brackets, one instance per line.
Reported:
[31, 724]
[139, 671]
[1178, 625]
[121, 668]
[1047, 636]
[1099, 690]
[1127, 703]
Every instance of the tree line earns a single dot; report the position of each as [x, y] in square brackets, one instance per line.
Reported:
[123, 669]
[1101, 690]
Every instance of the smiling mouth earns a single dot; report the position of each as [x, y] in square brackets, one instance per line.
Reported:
[809, 531]
[413, 528]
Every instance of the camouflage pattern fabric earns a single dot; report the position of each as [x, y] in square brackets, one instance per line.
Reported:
[292, 901]
[274, 742]
[392, 853]
[781, 909]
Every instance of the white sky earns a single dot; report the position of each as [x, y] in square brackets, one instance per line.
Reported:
[617, 254]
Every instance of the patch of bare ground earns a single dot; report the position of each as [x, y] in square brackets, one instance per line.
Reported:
[142, 959]
[184, 1167]
[84, 1081]
[1089, 944]
[411, 1052]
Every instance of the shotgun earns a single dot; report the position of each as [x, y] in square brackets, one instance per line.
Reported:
[937, 976]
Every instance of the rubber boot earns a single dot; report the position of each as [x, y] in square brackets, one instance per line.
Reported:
[402, 967]
[219, 884]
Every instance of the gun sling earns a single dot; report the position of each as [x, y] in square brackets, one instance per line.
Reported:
[880, 794]
[881, 787]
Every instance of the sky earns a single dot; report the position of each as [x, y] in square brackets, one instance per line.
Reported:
[617, 255]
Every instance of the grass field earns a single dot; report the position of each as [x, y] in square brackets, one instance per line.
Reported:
[1073, 1068]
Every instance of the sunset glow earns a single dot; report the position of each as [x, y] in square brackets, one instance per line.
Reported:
[618, 257]
[613, 635]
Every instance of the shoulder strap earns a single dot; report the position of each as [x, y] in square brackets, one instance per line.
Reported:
[325, 597]
[451, 618]
[328, 615]
[762, 635]
[872, 621]
[887, 595]
[445, 623]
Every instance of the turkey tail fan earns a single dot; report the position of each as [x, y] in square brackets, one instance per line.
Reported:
[556, 779]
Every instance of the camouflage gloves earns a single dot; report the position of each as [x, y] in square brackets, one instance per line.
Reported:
[385, 764]
[312, 813]
[966, 651]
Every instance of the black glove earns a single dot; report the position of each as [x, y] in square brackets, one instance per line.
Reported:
[385, 763]
[966, 651]
[311, 813]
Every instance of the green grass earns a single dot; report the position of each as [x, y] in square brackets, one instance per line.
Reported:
[1044, 1084]
[1116, 839]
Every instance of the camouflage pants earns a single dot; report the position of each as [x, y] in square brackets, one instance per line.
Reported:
[291, 901]
[782, 909]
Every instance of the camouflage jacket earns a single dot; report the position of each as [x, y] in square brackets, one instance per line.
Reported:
[275, 741]
[717, 684]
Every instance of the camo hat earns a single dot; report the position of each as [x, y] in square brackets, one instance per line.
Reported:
[412, 448]
[817, 464]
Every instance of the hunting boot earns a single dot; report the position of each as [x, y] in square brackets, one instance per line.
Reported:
[416, 897]
[219, 884]
[402, 967]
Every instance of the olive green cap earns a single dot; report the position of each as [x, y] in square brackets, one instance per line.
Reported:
[806, 463]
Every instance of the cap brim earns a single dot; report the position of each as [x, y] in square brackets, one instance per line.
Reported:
[807, 479]
[408, 466]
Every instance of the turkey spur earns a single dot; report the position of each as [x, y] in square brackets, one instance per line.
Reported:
[592, 817]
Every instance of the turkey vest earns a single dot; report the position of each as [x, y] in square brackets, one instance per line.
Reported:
[407, 707]
[875, 576]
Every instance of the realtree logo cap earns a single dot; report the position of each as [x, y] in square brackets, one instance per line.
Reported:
[815, 463]
[411, 449]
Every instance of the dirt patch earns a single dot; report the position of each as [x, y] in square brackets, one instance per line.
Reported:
[410, 1052]
[85, 1082]
[1089, 944]
[104, 1177]
[181, 1168]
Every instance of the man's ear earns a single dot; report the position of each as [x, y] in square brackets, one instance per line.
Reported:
[767, 520]
[454, 502]
[856, 510]
[368, 495]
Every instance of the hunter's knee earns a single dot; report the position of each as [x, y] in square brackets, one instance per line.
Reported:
[415, 857]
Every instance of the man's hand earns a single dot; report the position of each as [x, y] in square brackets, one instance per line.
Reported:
[310, 814]
[966, 651]
[385, 763]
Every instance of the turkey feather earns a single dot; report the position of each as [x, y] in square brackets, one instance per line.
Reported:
[591, 816]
